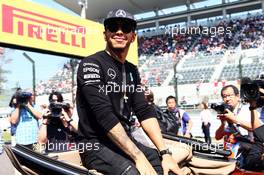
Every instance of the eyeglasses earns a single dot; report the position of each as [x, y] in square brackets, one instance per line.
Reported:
[125, 26]
[228, 95]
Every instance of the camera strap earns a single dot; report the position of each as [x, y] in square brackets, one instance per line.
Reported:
[235, 128]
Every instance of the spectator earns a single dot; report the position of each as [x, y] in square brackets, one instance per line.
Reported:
[183, 117]
[205, 116]
[25, 117]
[233, 122]
[169, 124]
[57, 125]
[253, 154]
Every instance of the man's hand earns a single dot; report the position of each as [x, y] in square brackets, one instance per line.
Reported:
[169, 164]
[229, 116]
[144, 167]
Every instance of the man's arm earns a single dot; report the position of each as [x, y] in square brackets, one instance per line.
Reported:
[229, 116]
[188, 129]
[255, 121]
[118, 135]
[152, 129]
[220, 132]
[147, 117]
[189, 124]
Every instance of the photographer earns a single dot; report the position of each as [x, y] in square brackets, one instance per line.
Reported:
[234, 121]
[24, 119]
[253, 153]
[57, 125]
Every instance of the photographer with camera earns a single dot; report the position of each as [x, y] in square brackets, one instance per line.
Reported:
[57, 125]
[24, 119]
[235, 119]
[252, 91]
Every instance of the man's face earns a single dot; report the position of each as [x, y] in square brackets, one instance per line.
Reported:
[171, 104]
[230, 98]
[119, 34]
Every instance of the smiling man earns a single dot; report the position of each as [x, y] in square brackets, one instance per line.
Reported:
[108, 91]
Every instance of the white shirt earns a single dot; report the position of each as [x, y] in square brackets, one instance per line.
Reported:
[243, 114]
[205, 116]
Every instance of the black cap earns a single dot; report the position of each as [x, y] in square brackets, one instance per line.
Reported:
[120, 14]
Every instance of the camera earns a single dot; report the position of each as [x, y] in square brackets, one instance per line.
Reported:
[56, 108]
[249, 90]
[23, 97]
[221, 108]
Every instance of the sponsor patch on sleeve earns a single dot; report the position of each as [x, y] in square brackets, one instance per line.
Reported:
[91, 73]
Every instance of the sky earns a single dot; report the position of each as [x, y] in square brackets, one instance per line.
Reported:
[46, 65]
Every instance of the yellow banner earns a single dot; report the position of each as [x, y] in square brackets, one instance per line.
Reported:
[30, 25]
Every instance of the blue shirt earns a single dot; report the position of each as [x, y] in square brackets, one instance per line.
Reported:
[185, 120]
[27, 128]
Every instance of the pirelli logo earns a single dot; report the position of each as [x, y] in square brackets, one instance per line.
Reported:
[20, 22]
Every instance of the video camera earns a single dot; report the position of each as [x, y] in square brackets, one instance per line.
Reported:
[23, 97]
[249, 90]
[221, 108]
[56, 108]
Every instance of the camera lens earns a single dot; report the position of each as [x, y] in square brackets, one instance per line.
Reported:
[251, 92]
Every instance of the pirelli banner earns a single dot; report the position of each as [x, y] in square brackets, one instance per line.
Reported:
[29, 25]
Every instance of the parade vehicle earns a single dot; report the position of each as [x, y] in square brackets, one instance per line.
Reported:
[29, 162]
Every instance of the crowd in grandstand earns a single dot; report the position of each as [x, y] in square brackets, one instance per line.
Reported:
[61, 81]
[197, 41]
[245, 31]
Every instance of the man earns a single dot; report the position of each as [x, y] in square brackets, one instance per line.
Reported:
[234, 121]
[25, 119]
[169, 124]
[108, 89]
[184, 119]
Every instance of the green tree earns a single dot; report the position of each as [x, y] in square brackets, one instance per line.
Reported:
[3, 60]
